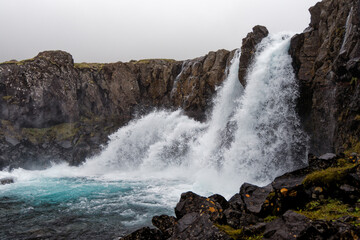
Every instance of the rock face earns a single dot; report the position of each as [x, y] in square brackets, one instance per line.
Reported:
[248, 49]
[51, 108]
[326, 58]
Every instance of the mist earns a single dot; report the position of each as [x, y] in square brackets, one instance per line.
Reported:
[122, 30]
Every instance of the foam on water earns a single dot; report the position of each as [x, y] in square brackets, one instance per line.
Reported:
[252, 135]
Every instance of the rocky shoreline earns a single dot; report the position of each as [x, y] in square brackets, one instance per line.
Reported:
[320, 201]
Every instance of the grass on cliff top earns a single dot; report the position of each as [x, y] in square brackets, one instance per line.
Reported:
[19, 63]
[93, 66]
[328, 210]
[145, 61]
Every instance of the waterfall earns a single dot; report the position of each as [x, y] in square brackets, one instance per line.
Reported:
[252, 134]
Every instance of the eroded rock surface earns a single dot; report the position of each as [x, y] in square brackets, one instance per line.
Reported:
[326, 58]
[51, 108]
[248, 50]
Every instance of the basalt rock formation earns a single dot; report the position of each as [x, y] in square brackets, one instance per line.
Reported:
[53, 109]
[316, 202]
[248, 50]
[326, 58]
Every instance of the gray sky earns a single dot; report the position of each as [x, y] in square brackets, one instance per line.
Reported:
[121, 30]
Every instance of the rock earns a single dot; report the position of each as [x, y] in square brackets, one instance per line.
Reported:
[11, 140]
[289, 226]
[233, 218]
[193, 203]
[330, 230]
[288, 193]
[236, 203]
[248, 50]
[196, 226]
[325, 58]
[255, 229]
[221, 200]
[65, 144]
[328, 156]
[254, 197]
[165, 224]
[8, 180]
[145, 233]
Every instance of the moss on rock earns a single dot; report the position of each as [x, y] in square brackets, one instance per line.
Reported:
[330, 209]
[327, 177]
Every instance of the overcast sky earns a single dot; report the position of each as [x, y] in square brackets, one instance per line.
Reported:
[121, 30]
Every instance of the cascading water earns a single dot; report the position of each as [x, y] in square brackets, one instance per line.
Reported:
[252, 135]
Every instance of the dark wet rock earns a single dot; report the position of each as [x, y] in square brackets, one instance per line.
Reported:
[292, 225]
[325, 230]
[233, 218]
[288, 192]
[193, 203]
[254, 197]
[221, 200]
[145, 233]
[197, 226]
[248, 50]
[288, 226]
[4, 181]
[237, 203]
[326, 62]
[317, 163]
[165, 224]
[255, 229]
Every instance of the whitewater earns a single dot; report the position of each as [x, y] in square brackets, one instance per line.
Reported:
[252, 134]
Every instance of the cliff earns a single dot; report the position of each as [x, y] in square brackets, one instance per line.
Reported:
[52, 109]
[326, 58]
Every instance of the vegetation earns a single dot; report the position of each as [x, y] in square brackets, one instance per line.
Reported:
[65, 131]
[6, 98]
[238, 233]
[146, 61]
[91, 66]
[233, 233]
[330, 209]
[352, 146]
[327, 177]
[270, 218]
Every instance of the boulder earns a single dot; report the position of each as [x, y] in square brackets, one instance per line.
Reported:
[145, 233]
[197, 226]
[7, 180]
[165, 224]
[254, 197]
[193, 203]
[288, 226]
[237, 203]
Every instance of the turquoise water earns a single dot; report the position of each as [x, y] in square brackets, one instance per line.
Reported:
[79, 208]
